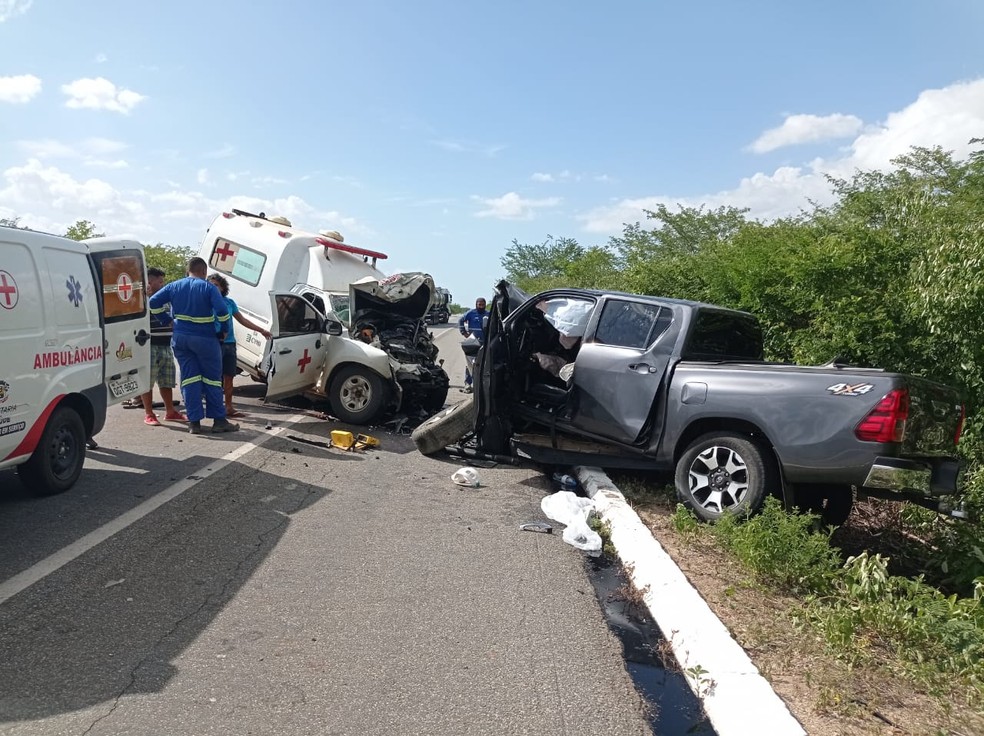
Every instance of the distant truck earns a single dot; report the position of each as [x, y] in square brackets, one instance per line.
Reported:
[307, 289]
[74, 332]
[440, 310]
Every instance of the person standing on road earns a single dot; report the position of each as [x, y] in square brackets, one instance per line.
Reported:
[161, 357]
[472, 324]
[229, 368]
[195, 305]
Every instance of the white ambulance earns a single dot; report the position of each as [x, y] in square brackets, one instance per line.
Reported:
[306, 289]
[74, 332]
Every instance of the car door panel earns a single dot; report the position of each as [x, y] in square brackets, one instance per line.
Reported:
[296, 353]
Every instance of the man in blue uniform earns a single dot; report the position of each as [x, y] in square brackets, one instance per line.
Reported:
[195, 305]
[472, 324]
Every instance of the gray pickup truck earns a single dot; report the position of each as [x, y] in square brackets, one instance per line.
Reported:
[577, 377]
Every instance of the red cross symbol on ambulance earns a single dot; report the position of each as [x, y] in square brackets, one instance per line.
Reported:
[124, 287]
[224, 251]
[304, 361]
[8, 291]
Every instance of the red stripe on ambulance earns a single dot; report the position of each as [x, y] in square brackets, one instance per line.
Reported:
[33, 436]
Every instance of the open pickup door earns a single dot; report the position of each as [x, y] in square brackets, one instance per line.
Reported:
[296, 353]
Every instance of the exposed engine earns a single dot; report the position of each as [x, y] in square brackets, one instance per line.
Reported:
[412, 353]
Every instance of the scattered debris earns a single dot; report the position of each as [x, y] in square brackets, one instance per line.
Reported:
[344, 440]
[537, 526]
[111, 583]
[466, 477]
[572, 510]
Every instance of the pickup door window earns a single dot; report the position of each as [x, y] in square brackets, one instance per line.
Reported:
[297, 350]
[618, 372]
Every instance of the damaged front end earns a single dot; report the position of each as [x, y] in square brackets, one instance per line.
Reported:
[389, 315]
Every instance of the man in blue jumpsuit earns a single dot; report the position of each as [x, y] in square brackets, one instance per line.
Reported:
[195, 305]
[472, 324]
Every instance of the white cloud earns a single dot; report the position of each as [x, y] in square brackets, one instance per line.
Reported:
[564, 175]
[101, 94]
[798, 129]
[202, 176]
[225, 151]
[101, 58]
[511, 206]
[947, 117]
[91, 151]
[468, 147]
[12, 8]
[20, 89]
[47, 198]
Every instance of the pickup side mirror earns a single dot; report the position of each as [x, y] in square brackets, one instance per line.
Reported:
[333, 327]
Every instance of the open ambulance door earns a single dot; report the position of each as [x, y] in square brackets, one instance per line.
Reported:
[120, 274]
[297, 351]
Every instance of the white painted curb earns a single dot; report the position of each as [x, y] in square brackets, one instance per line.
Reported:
[736, 698]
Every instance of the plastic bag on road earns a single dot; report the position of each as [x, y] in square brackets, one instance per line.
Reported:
[572, 510]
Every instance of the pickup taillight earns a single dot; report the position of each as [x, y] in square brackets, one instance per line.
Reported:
[886, 422]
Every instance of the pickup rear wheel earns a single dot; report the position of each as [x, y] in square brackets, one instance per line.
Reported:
[357, 395]
[57, 461]
[724, 472]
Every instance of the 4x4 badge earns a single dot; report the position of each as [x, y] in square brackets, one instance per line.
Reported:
[847, 389]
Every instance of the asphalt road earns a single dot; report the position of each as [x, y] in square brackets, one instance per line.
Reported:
[261, 583]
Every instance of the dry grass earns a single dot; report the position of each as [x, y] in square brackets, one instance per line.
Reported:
[829, 697]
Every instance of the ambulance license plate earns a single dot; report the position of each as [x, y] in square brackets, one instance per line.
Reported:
[122, 388]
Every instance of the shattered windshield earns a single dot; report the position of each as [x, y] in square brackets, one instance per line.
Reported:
[340, 306]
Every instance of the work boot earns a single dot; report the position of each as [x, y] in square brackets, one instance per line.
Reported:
[194, 427]
[224, 425]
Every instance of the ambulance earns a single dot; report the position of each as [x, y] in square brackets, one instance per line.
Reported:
[342, 330]
[74, 340]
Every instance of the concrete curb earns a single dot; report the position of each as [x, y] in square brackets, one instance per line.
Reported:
[735, 696]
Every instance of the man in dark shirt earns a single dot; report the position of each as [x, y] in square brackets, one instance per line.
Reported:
[161, 357]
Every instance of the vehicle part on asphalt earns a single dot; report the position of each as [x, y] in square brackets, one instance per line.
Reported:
[572, 510]
[724, 472]
[357, 395]
[56, 462]
[466, 476]
[491, 459]
[537, 526]
[445, 428]
[352, 442]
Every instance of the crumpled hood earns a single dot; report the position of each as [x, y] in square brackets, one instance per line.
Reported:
[405, 294]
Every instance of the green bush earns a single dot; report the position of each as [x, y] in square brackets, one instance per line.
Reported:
[782, 550]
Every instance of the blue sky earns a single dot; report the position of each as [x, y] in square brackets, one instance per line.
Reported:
[438, 132]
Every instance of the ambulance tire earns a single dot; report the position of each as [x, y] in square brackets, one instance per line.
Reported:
[57, 461]
[357, 395]
[445, 427]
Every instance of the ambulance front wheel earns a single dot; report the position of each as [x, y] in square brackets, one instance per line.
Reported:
[57, 461]
[357, 395]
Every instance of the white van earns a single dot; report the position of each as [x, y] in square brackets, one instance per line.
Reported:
[300, 286]
[74, 332]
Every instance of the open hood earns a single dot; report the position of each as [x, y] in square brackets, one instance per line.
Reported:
[404, 294]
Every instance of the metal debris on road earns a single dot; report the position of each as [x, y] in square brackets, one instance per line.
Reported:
[537, 526]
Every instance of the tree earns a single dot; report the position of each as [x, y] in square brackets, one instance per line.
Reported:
[81, 230]
[171, 259]
[538, 266]
[12, 222]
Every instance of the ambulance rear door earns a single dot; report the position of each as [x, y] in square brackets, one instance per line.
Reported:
[121, 274]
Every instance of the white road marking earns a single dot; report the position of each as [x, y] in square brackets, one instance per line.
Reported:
[22, 580]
